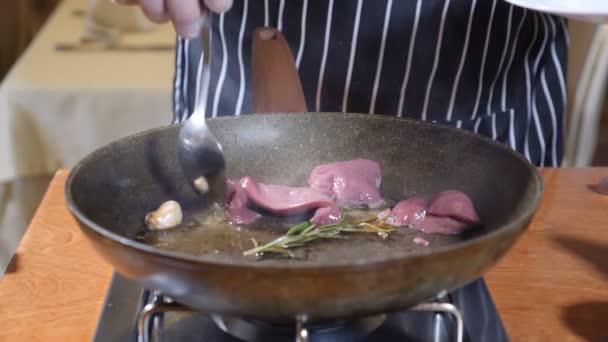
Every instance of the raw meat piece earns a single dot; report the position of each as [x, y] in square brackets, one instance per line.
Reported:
[439, 225]
[407, 212]
[349, 182]
[421, 241]
[283, 199]
[236, 208]
[384, 214]
[278, 199]
[454, 204]
[449, 212]
[326, 215]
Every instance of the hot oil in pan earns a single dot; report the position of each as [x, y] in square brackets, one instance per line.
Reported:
[207, 234]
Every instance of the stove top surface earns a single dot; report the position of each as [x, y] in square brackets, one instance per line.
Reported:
[125, 299]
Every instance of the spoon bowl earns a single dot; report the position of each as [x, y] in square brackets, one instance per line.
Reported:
[200, 153]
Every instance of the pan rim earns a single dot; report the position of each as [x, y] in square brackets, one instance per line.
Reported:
[525, 215]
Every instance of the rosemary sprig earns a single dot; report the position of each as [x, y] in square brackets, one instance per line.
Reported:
[306, 232]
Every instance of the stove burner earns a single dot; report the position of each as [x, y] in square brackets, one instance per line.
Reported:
[256, 331]
[132, 314]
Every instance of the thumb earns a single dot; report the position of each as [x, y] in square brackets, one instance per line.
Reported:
[218, 6]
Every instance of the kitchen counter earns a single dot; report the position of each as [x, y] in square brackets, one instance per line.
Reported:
[551, 286]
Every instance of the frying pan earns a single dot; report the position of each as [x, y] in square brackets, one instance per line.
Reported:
[110, 191]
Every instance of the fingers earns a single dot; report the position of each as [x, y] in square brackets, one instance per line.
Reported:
[126, 2]
[185, 15]
[155, 10]
[218, 6]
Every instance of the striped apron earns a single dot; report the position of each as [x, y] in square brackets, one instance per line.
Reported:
[480, 65]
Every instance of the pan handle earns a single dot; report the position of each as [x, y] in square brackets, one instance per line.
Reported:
[276, 85]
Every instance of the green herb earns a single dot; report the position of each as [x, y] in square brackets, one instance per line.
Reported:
[306, 232]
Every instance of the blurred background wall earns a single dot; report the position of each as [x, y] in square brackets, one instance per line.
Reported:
[20, 20]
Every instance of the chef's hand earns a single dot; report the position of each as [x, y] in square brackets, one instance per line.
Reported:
[184, 14]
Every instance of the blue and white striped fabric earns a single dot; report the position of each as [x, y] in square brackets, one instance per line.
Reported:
[481, 65]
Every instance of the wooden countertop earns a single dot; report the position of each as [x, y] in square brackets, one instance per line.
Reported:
[551, 286]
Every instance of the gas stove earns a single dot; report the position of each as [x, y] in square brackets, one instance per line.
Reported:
[131, 313]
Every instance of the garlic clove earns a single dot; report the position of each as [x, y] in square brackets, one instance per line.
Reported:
[168, 215]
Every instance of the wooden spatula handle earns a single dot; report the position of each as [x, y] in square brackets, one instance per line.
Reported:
[276, 84]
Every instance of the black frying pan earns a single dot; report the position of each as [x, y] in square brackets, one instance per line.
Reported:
[110, 191]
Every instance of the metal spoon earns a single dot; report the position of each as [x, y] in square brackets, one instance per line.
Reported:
[200, 153]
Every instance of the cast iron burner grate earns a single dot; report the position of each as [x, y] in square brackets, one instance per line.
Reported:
[466, 314]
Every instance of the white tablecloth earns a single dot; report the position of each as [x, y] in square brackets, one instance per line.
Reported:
[56, 107]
